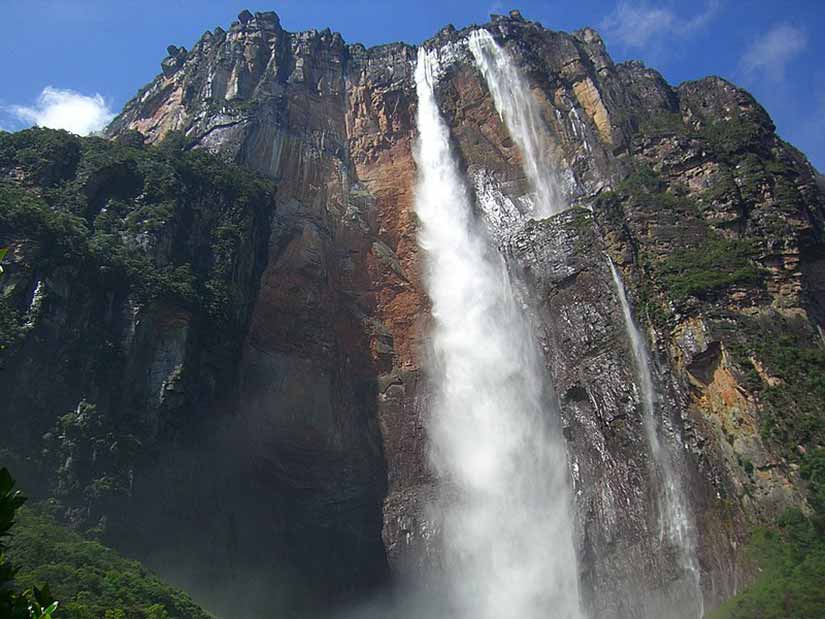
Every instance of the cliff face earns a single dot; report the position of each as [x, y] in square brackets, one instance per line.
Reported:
[314, 472]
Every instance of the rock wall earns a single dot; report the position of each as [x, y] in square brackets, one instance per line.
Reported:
[321, 460]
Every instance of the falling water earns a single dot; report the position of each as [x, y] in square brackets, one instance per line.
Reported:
[507, 526]
[520, 112]
[674, 518]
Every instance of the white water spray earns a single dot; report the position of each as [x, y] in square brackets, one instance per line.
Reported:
[507, 525]
[674, 517]
[520, 112]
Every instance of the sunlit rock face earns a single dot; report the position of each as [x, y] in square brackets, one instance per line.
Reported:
[316, 475]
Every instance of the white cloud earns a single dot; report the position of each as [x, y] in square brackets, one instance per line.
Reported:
[770, 53]
[66, 109]
[638, 24]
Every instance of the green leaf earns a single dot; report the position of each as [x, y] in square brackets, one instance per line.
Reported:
[6, 481]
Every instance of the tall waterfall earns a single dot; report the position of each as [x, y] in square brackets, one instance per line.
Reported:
[521, 114]
[506, 506]
[675, 523]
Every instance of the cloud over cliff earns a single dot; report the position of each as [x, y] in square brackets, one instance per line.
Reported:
[769, 54]
[58, 108]
[637, 24]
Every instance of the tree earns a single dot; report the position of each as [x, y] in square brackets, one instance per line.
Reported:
[34, 603]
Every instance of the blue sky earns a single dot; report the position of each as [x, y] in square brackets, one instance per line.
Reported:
[72, 63]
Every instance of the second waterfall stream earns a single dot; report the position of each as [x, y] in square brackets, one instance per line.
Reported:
[520, 113]
[514, 103]
[675, 523]
[506, 503]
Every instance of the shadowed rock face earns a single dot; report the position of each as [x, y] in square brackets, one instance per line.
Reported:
[317, 482]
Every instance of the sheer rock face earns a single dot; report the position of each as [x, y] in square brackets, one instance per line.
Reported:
[333, 370]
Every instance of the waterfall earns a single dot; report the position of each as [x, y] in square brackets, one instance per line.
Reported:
[521, 114]
[674, 517]
[507, 530]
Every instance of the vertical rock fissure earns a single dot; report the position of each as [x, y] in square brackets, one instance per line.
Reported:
[675, 520]
[508, 546]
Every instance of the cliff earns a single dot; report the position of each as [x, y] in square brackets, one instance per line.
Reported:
[282, 453]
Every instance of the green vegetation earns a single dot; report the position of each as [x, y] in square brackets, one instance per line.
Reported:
[732, 137]
[813, 471]
[722, 190]
[703, 266]
[792, 407]
[752, 177]
[647, 190]
[749, 168]
[579, 222]
[48, 156]
[727, 139]
[643, 188]
[92, 581]
[102, 207]
[649, 302]
[33, 603]
[108, 230]
[742, 146]
[785, 367]
[90, 447]
[663, 124]
[10, 324]
[641, 182]
[791, 557]
[709, 267]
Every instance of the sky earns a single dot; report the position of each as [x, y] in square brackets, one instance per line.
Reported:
[74, 63]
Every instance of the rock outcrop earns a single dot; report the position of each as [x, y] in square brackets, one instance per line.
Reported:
[314, 474]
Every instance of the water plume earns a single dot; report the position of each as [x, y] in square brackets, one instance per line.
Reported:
[508, 548]
[521, 115]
